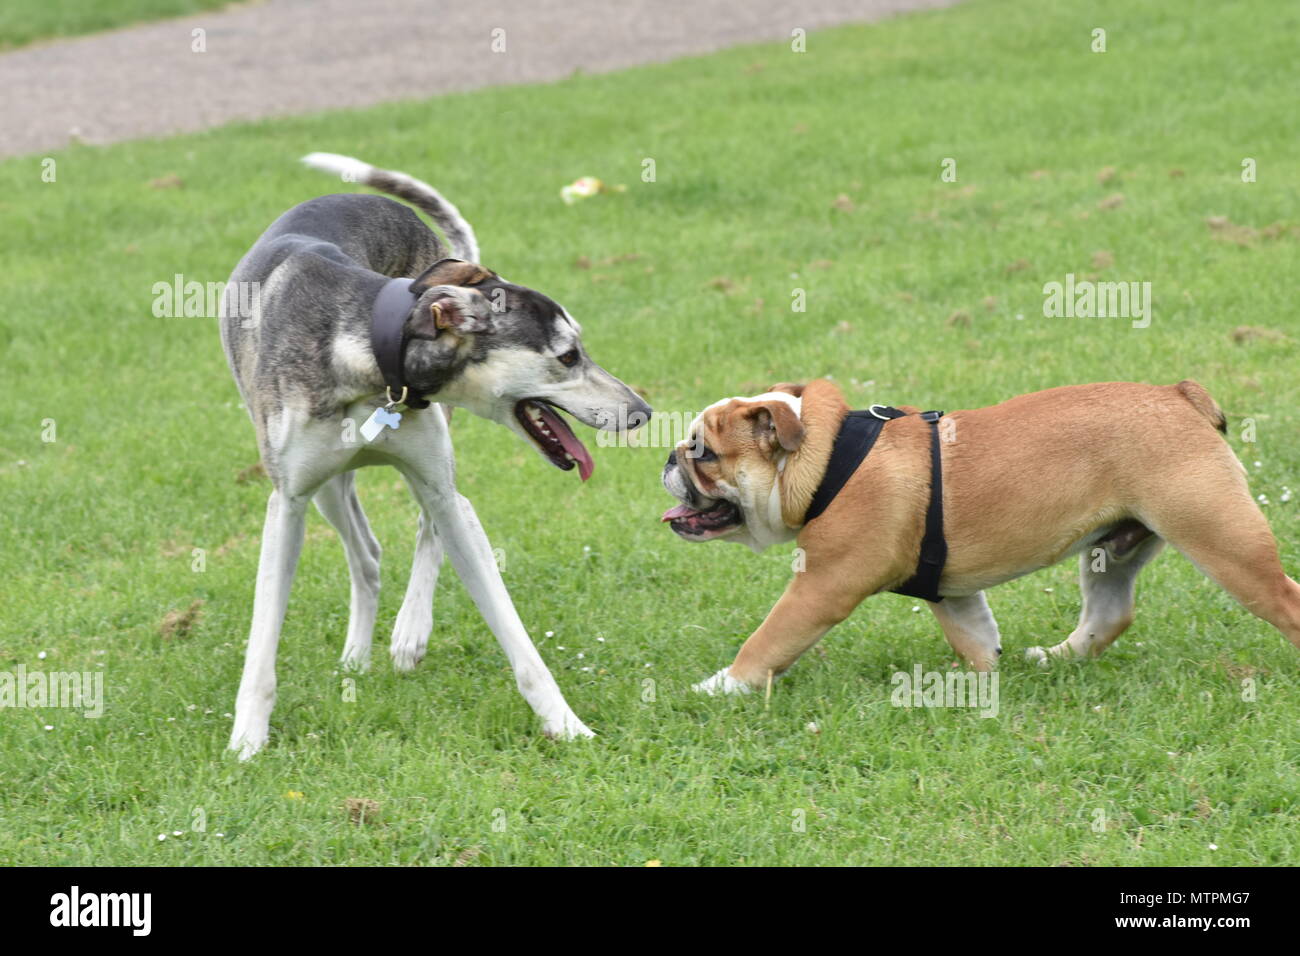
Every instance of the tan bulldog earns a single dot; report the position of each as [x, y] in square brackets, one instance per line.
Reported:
[1109, 472]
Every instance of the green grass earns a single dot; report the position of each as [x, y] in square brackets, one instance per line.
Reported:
[23, 21]
[752, 148]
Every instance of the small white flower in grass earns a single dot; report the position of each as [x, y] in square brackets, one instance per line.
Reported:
[178, 833]
[40, 656]
[550, 633]
[1263, 499]
[161, 837]
[192, 707]
[49, 726]
[581, 655]
[560, 647]
[171, 720]
[1214, 846]
[1259, 464]
[227, 715]
[586, 670]
[647, 665]
[915, 608]
[220, 834]
[1048, 590]
[1097, 709]
[812, 727]
[586, 549]
[601, 640]
[1286, 494]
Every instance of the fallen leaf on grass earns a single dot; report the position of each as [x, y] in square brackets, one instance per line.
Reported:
[361, 810]
[1256, 333]
[178, 624]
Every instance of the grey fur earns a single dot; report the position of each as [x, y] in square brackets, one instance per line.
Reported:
[305, 368]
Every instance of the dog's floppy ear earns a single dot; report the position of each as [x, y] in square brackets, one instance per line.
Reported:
[450, 307]
[776, 421]
[451, 272]
[789, 388]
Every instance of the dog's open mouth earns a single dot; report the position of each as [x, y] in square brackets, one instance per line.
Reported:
[689, 522]
[553, 436]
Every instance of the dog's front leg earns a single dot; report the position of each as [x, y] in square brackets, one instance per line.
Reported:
[415, 619]
[810, 606]
[471, 555]
[281, 544]
[971, 631]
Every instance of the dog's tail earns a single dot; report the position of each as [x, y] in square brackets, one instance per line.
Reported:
[1203, 403]
[459, 233]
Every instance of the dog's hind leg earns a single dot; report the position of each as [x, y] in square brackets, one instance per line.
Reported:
[337, 501]
[970, 628]
[1231, 542]
[1107, 578]
[282, 537]
[415, 619]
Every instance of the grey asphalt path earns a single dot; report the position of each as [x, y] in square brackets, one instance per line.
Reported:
[279, 57]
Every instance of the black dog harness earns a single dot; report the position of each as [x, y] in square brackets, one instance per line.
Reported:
[857, 435]
[388, 315]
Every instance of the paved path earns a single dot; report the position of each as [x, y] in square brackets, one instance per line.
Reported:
[278, 57]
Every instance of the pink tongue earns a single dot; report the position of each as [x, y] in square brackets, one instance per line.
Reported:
[681, 511]
[569, 440]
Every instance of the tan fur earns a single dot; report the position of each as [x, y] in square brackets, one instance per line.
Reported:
[1025, 483]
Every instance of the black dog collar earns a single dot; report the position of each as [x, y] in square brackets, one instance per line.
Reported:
[388, 315]
[855, 439]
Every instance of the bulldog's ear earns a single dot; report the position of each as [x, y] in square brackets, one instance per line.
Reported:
[776, 421]
[451, 272]
[450, 308]
[789, 388]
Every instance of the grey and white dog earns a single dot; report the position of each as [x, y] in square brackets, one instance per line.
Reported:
[305, 367]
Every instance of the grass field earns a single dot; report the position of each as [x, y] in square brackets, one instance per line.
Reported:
[22, 21]
[775, 171]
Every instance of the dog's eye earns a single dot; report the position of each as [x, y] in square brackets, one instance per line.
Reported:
[569, 358]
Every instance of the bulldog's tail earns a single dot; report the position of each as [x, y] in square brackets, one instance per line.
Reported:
[459, 233]
[1203, 403]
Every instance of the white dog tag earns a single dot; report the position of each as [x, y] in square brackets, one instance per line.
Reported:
[378, 419]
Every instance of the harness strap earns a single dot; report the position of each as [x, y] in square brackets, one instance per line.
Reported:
[388, 315]
[856, 437]
[924, 583]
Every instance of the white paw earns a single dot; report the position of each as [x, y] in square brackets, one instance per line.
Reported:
[407, 656]
[247, 742]
[355, 660]
[410, 640]
[1039, 655]
[568, 727]
[722, 683]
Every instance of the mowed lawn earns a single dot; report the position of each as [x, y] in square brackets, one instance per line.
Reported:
[775, 171]
[23, 21]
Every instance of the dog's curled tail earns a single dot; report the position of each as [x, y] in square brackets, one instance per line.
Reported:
[459, 233]
[1203, 403]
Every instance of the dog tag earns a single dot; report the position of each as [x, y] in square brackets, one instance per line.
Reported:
[379, 418]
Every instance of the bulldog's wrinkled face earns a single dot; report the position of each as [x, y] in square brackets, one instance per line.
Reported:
[727, 472]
